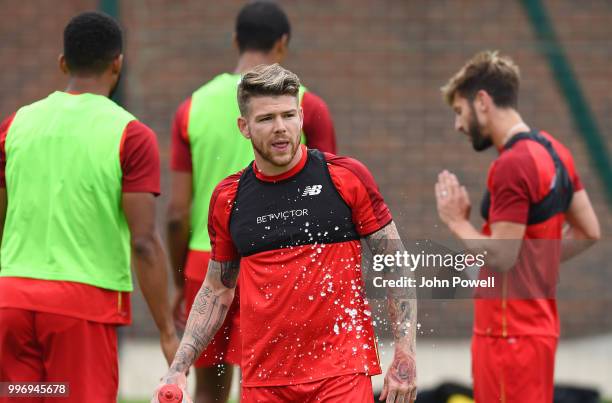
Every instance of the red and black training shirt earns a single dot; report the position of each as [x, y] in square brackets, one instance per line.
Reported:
[303, 312]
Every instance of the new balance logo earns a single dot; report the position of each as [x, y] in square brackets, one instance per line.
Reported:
[312, 190]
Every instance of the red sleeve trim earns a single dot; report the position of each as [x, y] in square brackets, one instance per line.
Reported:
[122, 146]
[180, 150]
[513, 183]
[4, 128]
[318, 125]
[139, 156]
[357, 187]
[184, 119]
[219, 213]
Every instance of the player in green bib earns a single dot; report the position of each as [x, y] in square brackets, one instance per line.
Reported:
[206, 147]
[78, 177]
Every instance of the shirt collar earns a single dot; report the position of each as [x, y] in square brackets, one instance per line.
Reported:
[285, 175]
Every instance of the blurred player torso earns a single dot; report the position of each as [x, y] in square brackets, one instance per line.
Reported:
[524, 302]
[64, 175]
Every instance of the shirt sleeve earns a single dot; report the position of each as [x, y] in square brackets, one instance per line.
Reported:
[180, 151]
[221, 203]
[577, 182]
[568, 161]
[357, 187]
[139, 157]
[513, 183]
[4, 127]
[318, 125]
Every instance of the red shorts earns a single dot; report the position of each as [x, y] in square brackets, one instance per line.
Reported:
[513, 369]
[354, 388]
[225, 346]
[46, 347]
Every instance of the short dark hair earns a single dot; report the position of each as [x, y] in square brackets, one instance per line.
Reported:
[266, 81]
[498, 75]
[92, 40]
[259, 25]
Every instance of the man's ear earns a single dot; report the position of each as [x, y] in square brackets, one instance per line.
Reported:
[243, 127]
[61, 60]
[482, 101]
[285, 41]
[281, 48]
[301, 117]
[117, 65]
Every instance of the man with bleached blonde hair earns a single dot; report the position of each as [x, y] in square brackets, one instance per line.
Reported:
[291, 223]
[533, 190]
[205, 147]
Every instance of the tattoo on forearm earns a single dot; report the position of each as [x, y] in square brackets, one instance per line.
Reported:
[184, 357]
[200, 304]
[206, 316]
[380, 241]
[402, 313]
[229, 273]
[402, 302]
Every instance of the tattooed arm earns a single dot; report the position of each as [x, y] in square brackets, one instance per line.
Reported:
[206, 316]
[400, 380]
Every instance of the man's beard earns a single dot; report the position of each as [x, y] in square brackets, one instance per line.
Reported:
[479, 141]
[269, 157]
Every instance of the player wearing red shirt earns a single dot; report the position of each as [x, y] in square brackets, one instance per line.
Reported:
[290, 223]
[97, 169]
[206, 147]
[533, 190]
